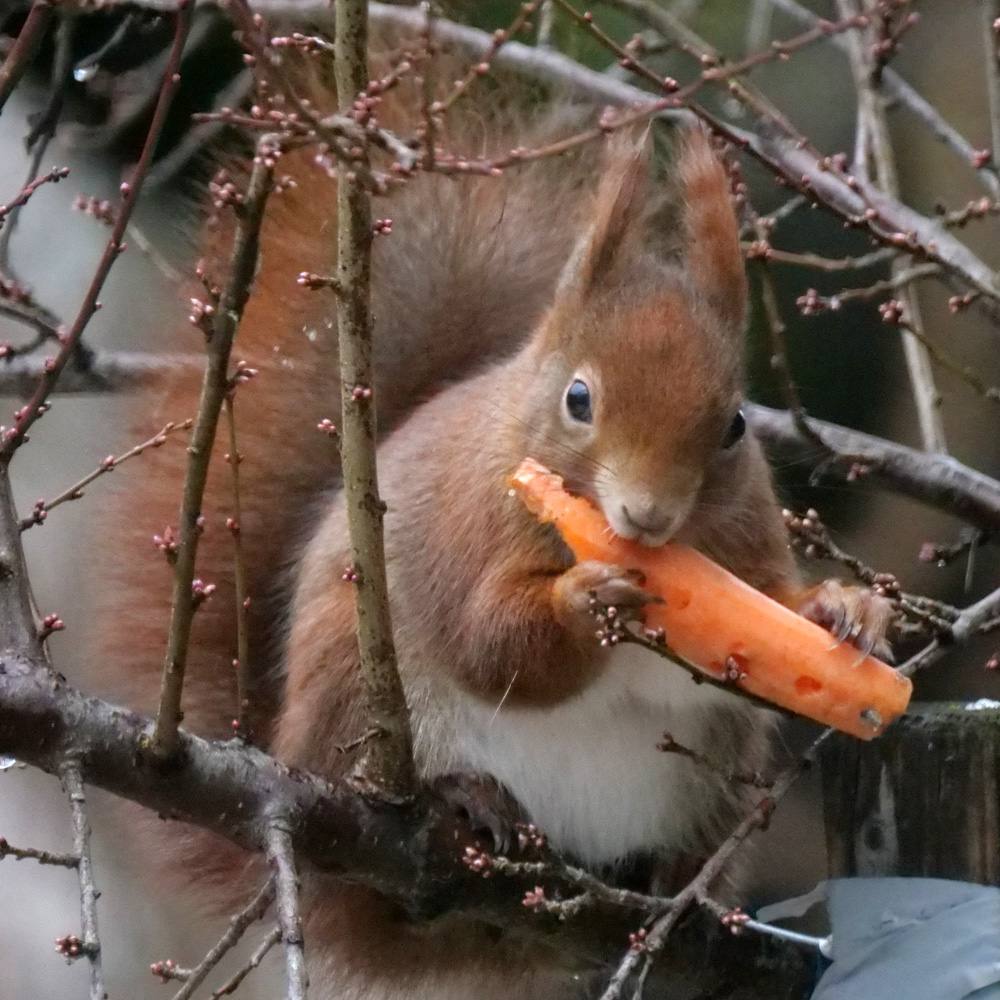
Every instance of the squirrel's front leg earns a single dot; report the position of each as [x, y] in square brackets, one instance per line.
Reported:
[530, 636]
[574, 591]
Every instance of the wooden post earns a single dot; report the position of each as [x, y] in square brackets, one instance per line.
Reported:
[922, 800]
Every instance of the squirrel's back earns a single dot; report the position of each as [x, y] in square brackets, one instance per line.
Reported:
[470, 264]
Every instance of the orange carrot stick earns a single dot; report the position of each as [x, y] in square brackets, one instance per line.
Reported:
[726, 628]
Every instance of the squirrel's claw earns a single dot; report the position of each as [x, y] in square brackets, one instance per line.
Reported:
[855, 614]
[613, 586]
[489, 808]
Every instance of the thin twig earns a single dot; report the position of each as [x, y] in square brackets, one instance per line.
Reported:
[659, 929]
[779, 353]
[969, 623]
[14, 436]
[238, 925]
[91, 945]
[270, 940]
[813, 302]
[907, 96]
[942, 358]
[499, 39]
[42, 507]
[546, 23]
[387, 768]
[282, 858]
[27, 44]
[873, 134]
[764, 251]
[716, 70]
[235, 524]
[29, 313]
[341, 133]
[224, 324]
[8, 850]
[991, 34]
[55, 175]
[44, 128]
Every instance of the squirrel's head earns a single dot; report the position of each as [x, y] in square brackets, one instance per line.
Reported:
[638, 378]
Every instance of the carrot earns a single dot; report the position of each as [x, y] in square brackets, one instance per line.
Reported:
[725, 627]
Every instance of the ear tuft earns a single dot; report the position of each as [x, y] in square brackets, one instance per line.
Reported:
[615, 219]
[711, 232]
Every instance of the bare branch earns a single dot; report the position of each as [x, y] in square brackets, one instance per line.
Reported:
[387, 768]
[657, 932]
[235, 790]
[23, 52]
[874, 141]
[237, 928]
[28, 313]
[225, 320]
[970, 622]
[234, 523]
[91, 945]
[862, 205]
[75, 492]
[272, 938]
[53, 176]
[281, 855]
[15, 436]
[899, 90]
[106, 372]
[764, 251]
[936, 480]
[44, 128]
[8, 850]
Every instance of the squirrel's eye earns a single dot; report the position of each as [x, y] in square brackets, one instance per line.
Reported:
[735, 431]
[578, 402]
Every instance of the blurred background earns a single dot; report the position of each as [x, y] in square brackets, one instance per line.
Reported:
[847, 364]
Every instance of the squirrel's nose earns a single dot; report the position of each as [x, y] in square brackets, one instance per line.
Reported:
[647, 518]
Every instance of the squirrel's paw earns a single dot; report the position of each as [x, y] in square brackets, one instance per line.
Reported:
[613, 586]
[852, 613]
[489, 808]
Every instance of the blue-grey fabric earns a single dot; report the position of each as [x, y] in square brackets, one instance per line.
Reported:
[912, 939]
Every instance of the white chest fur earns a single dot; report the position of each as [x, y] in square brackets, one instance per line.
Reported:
[588, 771]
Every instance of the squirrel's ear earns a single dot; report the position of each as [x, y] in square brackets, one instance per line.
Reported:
[615, 218]
[711, 232]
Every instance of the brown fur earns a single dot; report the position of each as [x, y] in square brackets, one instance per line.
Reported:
[474, 353]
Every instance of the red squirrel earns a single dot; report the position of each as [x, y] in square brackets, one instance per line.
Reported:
[532, 314]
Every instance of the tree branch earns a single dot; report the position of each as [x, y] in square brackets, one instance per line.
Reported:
[237, 928]
[226, 315]
[91, 944]
[37, 405]
[909, 98]
[874, 142]
[937, 480]
[413, 855]
[387, 768]
[27, 44]
[281, 855]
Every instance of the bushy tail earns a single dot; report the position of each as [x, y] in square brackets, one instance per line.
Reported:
[469, 265]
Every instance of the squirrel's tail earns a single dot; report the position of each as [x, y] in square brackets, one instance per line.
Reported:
[469, 264]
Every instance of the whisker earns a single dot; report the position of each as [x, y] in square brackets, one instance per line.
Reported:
[504, 698]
